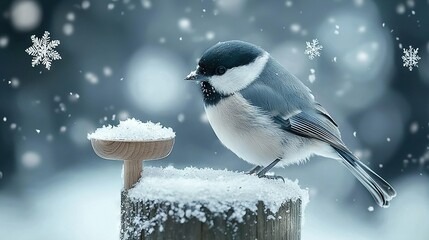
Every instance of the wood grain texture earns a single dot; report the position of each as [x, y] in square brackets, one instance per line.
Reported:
[262, 225]
[132, 151]
[132, 173]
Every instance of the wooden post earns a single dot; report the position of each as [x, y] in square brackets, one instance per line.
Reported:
[261, 225]
[152, 219]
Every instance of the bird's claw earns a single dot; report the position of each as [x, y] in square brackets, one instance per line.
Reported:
[273, 177]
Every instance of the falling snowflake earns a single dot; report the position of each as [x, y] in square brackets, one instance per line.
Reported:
[43, 50]
[410, 58]
[313, 49]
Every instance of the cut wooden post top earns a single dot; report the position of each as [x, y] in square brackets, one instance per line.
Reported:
[167, 198]
[132, 141]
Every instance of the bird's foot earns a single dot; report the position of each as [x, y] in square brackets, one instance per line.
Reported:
[263, 172]
[273, 177]
[254, 170]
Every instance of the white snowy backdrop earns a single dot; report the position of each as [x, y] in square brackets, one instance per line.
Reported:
[127, 58]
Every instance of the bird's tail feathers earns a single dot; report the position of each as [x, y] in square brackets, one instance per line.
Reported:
[381, 191]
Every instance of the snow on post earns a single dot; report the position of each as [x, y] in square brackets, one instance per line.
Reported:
[211, 204]
[132, 141]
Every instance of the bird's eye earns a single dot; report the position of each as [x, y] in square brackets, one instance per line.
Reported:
[220, 70]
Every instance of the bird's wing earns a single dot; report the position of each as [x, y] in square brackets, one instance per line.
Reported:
[313, 121]
[313, 124]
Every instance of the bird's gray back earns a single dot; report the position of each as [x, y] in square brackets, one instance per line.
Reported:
[278, 91]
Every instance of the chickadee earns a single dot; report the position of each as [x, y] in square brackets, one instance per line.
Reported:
[268, 117]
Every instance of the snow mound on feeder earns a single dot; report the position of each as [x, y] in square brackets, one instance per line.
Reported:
[133, 130]
[219, 191]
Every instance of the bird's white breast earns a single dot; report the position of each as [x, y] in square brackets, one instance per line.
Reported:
[251, 134]
[245, 130]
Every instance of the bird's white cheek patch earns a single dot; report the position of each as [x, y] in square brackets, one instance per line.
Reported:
[238, 78]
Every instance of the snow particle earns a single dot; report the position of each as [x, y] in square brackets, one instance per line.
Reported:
[203, 118]
[4, 41]
[91, 78]
[362, 56]
[312, 76]
[295, 27]
[411, 3]
[110, 6]
[13, 126]
[354, 134]
[410, 58]
[414, 127]
[337, 31]
[49, 137]
[70, 16]
[162, 40]
[380, 165]
[413, 12]
[43, 51]
[210, 35]
[358, 2]
[184, 24]
[68, 29]
[14, 82]
[63, 107]
[313, 49]
[400, 9]
[370, 208]
[107, 71]
[4, 119]
[30, 159]
[181, 117]
[146, 4]
[362, 29]
[25, 15]
[388, 139]
[86, 4]
[288, 3]
[38, 131]
[74, 97]
[63, 129]
[180, 38]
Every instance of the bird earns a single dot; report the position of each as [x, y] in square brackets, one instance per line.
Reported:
[268, 117]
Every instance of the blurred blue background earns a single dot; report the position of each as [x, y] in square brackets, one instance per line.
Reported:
[127, 58]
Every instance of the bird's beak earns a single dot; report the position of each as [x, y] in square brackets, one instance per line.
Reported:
[196, 76]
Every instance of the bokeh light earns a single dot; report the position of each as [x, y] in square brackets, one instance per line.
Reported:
[155, 80]
[26, 15]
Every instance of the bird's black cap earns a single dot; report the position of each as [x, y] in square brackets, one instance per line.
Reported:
[227, 55]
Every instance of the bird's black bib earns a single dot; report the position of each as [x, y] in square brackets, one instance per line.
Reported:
[210, 95]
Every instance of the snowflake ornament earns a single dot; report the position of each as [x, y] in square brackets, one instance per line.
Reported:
[43, 51]
[410, 58]
[313, 49]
